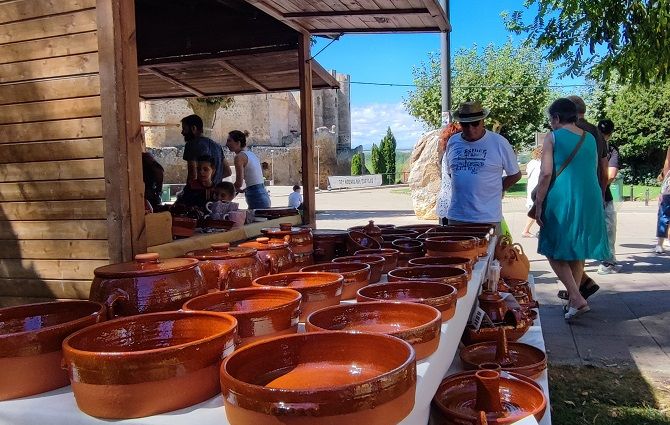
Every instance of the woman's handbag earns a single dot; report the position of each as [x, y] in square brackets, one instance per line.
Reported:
[532, 212]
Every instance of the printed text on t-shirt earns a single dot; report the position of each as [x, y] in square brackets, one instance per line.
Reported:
[470, 159]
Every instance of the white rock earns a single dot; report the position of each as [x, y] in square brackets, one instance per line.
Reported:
[424, 175]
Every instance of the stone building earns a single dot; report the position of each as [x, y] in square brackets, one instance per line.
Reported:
[273, 123]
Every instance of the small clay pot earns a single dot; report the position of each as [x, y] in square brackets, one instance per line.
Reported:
[439, 295]
[260, 312]
[376, 263]
[309, 379]
[226, 267]
[493, 305]
[356, 275]
[30, 344]
[453, 246]
[418, 324]
[390, 257]
[300, 239]
[318, 289]
[372, 230]
[408, 248]
[148, 364]
[148, 284]
[389, 238]
[458, 278]
[276, 255]
[359, 240]
[329, 244]
[458, 262]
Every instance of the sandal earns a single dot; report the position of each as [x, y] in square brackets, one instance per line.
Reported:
[588, 288]
[574, 313]
[527, 235]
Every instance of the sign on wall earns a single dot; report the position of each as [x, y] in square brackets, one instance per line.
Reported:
[338, 182]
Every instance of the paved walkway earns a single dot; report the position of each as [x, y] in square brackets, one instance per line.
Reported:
[629, 324]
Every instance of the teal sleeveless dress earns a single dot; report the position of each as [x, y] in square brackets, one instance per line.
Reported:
[573, 215]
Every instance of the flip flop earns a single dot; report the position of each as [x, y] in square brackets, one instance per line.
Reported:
[588, 288]
[574, 313]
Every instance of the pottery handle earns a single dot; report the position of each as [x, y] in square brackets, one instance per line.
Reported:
[224, 274]
[274, 263]
[519, 248]
[114, 297]
[290, 409]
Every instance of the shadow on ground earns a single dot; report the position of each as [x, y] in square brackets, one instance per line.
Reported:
[362, 215]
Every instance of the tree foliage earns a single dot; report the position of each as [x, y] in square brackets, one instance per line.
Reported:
[357, 164]
[598, 37]
[387, 149]
[377, 160]
[513, 82]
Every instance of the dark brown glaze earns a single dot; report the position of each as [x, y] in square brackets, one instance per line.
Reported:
[275, 255]
[389, 238]
[458, 278]
[471, 227]
[30, 344]
[493, 305]
[318, 289]
[395, 231]
[458, 262]
[300, 239]
[329, 244]
[482, 239]
[390, 257]
[320, 378]
[226, 267]
[260, 312]
[418, 324]
[419, 228]
[439, 295]
[503, 397]
[376, 263]
[525, 359]
[148, 364]
[359, 240]
[453, 246]
[356, 275]
[148, 284]
[408, 248]
[515, 324]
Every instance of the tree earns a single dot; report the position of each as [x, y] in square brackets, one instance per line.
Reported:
[513, 82]
[377, 160]
[599, 37]
[357, 164]
[206, 107]
[387, 148]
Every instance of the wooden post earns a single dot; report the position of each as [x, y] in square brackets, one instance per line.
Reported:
[121, 133]
[306, 128]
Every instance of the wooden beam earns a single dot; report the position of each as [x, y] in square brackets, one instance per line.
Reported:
[160, 74]
[246, 77]
[122, 134]
[260, 4]
[439, 14]
[320, 31]
[345, 13]
[306, 128]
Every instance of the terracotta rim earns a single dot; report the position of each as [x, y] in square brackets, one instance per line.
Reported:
[465, 353]
[232, 252]
[334, 277]
[161, 267]
[355, 268]
[399, 284]
[372, 259]
[297, 297]
[458, 273]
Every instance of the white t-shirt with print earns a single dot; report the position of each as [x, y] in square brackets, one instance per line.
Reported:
[476, 170]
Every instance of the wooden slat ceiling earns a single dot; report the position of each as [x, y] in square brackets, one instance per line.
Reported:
[357, 16]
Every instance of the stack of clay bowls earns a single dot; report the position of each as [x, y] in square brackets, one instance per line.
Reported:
[300, 240]
[376, 263]
[355, 275]
[458, 278]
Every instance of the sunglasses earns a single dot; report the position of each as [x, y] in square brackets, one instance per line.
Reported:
[471, 124]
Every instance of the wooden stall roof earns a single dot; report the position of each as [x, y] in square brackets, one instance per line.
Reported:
[357, 16]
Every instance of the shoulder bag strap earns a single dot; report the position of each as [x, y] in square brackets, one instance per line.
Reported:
[572, 154]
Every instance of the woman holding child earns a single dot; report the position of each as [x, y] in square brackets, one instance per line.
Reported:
[248, 171]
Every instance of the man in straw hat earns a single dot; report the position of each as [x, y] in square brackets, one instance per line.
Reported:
[476, 159]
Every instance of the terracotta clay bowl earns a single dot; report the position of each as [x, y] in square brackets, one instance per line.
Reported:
[408, 248]
[439, 295]
[419, 228]
[329, 244]
[458, 278]
[356, 275]
[471, 227]
[376, 263]
[418, 324]
[320, 378]
[318, 289]
[458, 262]
[461, 397]
[30, 344]
[359, 240]
[390, 255]
[520, 358]
[260, 312]
[452, 246]
[148, 364]
[486, 334]
[387, 240]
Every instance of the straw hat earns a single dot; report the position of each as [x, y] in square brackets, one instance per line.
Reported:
[470, 112]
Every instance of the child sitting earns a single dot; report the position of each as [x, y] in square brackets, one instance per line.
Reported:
[198, 192]
[224, 191]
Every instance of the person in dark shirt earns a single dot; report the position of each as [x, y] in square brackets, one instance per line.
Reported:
[197, 146]
[197, 192]
[152, 174]
[606, 128]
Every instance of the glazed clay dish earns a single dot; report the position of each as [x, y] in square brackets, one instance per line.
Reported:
[260, 312]
[30, 344]
[417, 324]
[318, 289]
[376, 263]
[390, 257]
[320, 378]
[441, 296]
[148, 364]
[458, 278]
[226, 267]
[356, 275]
[459, 262]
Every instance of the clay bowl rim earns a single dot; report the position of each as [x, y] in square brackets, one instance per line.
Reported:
[425, 236]
[464, 272]
[446, 297]
[466, 260]
[199, 254]
[77, 321]
[387, 251]
[361, 269]
[436, 320]
[375, 260]
[250, 289]
[411, 358]
[414, 243]
[131, 355]
[335, 278]
[453, 239]
[510, 345]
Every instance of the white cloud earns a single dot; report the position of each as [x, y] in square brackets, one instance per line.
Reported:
[369, 123]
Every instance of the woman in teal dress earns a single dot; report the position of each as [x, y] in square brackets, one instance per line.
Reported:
[570, 208]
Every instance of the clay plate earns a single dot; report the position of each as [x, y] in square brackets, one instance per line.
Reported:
[526, 359]
[356, 275]
[30, 344]
[320, 378]
[417, 324]
[376, 263]
[458, 278]
[148, 364]
[441, 296]
[260, 312]
[390, 255]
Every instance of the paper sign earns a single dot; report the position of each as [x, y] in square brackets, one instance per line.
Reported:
[480, 317]
[368, 180]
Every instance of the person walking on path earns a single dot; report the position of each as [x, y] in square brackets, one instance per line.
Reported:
[568, 206]
[663, 222]
[248, 171]
[198, 146]
[608, 266]
[533, 173]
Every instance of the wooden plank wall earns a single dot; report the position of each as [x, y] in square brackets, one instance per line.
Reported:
[53, 228]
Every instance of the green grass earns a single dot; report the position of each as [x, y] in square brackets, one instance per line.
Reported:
[519, 191]
[402, 191]
[598, 396]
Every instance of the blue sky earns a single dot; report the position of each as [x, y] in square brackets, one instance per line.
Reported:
[383, 58]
